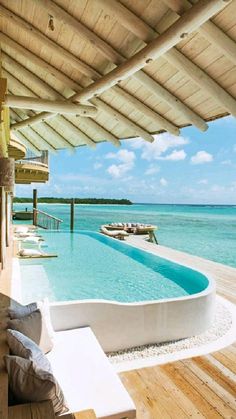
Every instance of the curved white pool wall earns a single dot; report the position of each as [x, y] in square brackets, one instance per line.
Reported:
[126, 325]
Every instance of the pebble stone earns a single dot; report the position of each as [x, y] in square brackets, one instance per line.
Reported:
[220, 326]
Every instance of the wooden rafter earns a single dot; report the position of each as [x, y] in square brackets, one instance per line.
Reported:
[32, 135]
[9, 63]
[56, 106]
[146, 33]
[209, 30]
[95, 74]
[64, 81]
[25, 90]
[117, 58]
[186, 24]
[21, 137]
[110, 111]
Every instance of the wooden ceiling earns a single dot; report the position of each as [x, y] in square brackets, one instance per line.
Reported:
[60, 49]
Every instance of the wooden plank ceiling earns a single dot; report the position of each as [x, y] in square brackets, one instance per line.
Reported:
[55, 49]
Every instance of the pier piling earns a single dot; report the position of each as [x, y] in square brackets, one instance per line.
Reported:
[72, 214]
[35, 204]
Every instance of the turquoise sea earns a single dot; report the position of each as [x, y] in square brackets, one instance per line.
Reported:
[204, 230]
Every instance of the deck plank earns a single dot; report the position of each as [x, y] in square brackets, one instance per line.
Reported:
[200, 387]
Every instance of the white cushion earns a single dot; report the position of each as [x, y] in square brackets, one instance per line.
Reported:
[118, 232]
[30, 252]
[32, 239]
[21, 229]
[19, 311]
[28, 382]
[86, 376]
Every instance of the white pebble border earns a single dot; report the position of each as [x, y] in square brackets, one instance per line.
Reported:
[221, 325]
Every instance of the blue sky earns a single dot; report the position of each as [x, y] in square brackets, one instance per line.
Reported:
[192, 168]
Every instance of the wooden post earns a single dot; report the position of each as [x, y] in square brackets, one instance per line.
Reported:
[72, 214]
[35, 204]
[2, 227]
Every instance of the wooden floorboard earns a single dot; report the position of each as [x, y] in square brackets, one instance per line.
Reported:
[200, 387]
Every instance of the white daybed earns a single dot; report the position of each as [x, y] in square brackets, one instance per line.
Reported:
[86, 376]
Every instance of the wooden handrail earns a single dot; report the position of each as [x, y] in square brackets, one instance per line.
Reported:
[44, 220]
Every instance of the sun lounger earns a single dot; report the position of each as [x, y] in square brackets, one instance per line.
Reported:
[144, 229]
[32, 240]
[114, 226]
[34, 254]
[116, 234]
[86, 376]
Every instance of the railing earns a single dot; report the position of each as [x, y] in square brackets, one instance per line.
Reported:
[36, 160]
[43, 159]
[46, 221]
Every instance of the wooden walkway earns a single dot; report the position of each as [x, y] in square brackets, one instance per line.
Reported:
[200, 387]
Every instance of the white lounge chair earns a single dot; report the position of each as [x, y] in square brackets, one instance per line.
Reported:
[116, 234]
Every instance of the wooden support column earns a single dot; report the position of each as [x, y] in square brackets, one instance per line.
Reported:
[8, 217]
[2, 228]
[35, 204]
[72, 214]
[7, 180]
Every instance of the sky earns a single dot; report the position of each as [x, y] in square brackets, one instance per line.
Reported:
[193, 168]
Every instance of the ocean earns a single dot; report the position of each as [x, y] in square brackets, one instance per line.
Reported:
[208, 231]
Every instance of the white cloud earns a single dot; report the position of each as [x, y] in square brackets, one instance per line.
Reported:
[201, 157]
[126, 159]
[151, 170]
[176, 155]
[123, 155]
[157, 149]
[234, 148]
[203, 182]
[163, 182]
[97, 166]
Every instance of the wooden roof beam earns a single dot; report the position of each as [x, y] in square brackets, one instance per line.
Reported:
[117, 58]
[39, 118]
[56, 106]
[209, 30]
[25, 90]
[95, 75]
[145, 32]
[139, 131]
[186, 24]
[82, 67]
[75, 87]
[8, 42]
[29, 132]
[112, 112]
[66, 80]
[102, 105]
[10, 63]
[162, 122]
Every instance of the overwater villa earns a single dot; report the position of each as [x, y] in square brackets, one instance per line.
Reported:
[128, 343]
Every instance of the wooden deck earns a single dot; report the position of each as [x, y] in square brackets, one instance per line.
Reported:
[200, 387]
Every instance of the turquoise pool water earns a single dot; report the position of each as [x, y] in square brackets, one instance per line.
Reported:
[208, 231]
[92, 266]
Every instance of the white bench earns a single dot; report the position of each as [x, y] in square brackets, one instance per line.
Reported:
[86, 376]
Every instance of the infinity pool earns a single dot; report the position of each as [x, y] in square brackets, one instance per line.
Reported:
[92, 266]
